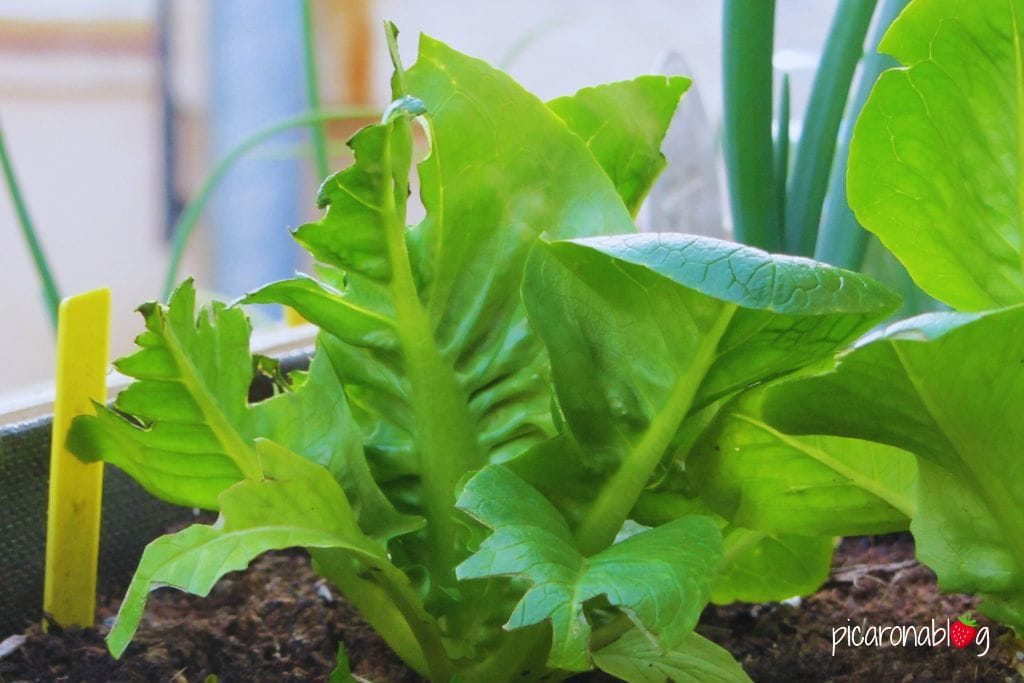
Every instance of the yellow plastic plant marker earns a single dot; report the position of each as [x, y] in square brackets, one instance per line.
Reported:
[292, 317]
[76, 488]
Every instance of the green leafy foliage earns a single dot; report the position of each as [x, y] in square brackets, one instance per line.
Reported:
[633, 657]
[946, 387]
[935, 173]
[760, 478]
[428, 333]
[295, 503]
[189, 405]
[489, 452]
[640, 109]
[643, 330]
[762, 567]
[531, 539]
[935, 164]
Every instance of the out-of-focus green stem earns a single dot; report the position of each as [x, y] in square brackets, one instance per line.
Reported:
[51, 295]
[186, 224]
[528, 38]
[747, 43]
[843, 50]
[782, 151]
[313, 90]
[841, 239]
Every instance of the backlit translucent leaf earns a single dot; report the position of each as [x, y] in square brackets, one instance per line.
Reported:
[760, 478]
[947, 387]
[695, 659]
[623, 125]
[763, 567]
[936, 158]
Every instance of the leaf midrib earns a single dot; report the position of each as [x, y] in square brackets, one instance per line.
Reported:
[446, 440]
[612, 505]
[242, 454]
[902, 504]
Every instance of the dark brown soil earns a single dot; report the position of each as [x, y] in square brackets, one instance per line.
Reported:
[874, 581]
[279, 622]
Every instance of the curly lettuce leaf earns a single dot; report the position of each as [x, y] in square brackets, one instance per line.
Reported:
[661, 578]
[296, 503]
[185, 441]
[185, 430]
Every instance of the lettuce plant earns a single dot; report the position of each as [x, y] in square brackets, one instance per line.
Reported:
[489, 452]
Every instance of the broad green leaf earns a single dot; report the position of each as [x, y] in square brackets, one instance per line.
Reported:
[634, 658]
[760, 478]
[424, 324]
[643, 330]
[948, 388]
[661, 578]
[758, 566]
[298, 503]
[623, 125]
[935, 164]
[763, 567]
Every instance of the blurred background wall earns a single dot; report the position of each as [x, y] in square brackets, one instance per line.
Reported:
[114, 112]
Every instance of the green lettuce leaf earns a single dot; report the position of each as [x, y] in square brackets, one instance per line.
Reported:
[185, 429]
[758, 566]
[425, 325]
[643, 330]
[946, 387]
[296, 503]
[760, 478]
[695, 659]
[661, 578]
[185, 442]
[315, 421]
[606, 116]
[935, 165]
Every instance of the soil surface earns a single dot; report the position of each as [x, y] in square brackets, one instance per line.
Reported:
[278, 622]
[874, 582]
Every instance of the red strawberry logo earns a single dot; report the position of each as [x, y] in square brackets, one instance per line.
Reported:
[962, 631]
